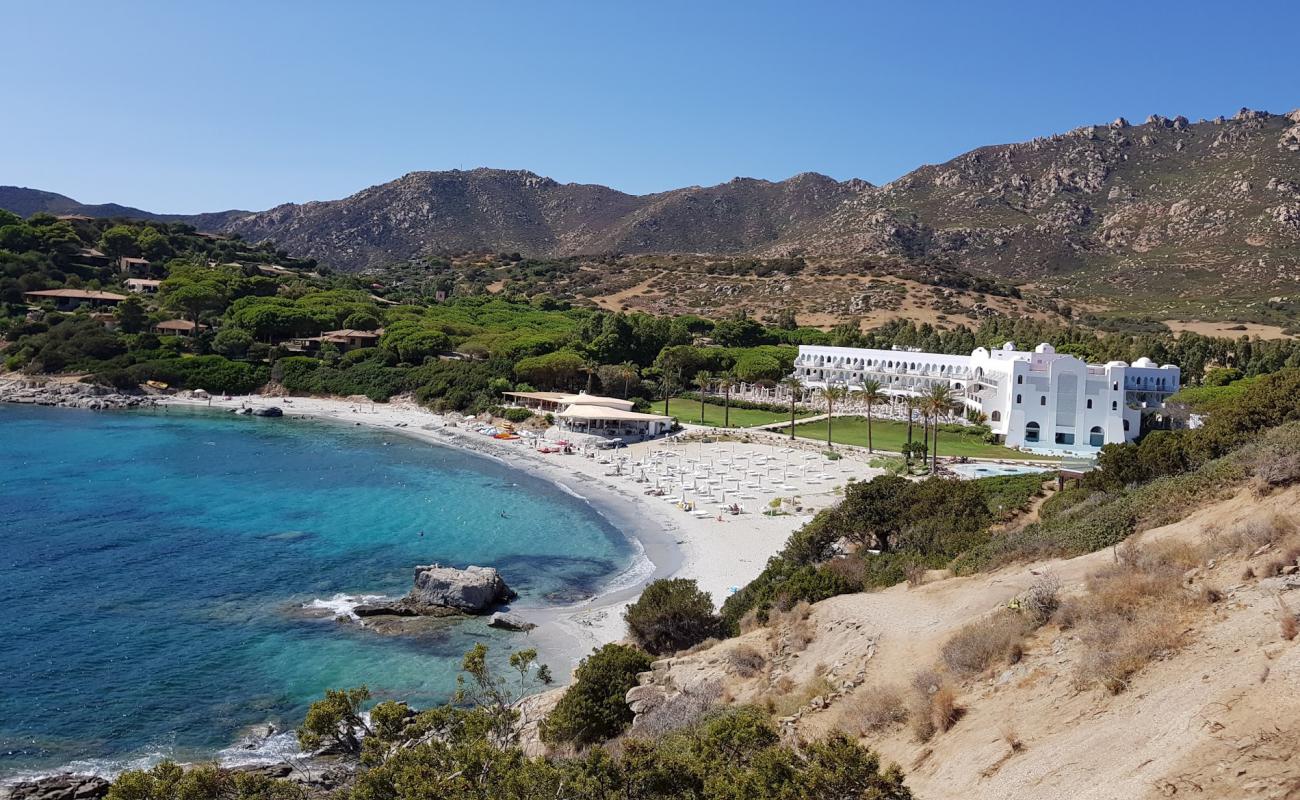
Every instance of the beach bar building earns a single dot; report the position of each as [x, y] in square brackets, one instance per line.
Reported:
[1038, 400]
[608, 417]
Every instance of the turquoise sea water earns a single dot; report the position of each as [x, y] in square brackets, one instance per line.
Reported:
[153, 567]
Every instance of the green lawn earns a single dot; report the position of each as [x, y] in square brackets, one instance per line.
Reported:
[889, 436]
[688, 412]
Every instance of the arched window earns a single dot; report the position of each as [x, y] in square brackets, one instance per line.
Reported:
[1096, 436]
[1089, 403]
[1020, 379]
[1126, 426]
[1114, 387]
[1042, 401]
[1018, 398]
[1031, 432]
[1114, 405]
[996, 416]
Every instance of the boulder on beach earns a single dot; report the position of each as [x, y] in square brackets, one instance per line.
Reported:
[509, 622]
[473, 589]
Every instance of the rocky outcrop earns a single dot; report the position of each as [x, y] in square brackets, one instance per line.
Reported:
[446, 591]
[43, 392]
[473, 589]
[58, 787]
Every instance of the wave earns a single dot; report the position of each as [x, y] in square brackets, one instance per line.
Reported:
[343, 605]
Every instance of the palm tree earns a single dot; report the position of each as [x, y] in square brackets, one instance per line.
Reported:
[702, 381]
[628, 372]
[727, 383]
[871, 394]
[794, 385]
[668, 385]
[832, 395]
[938, 401]
[909, 402]
[589, 366]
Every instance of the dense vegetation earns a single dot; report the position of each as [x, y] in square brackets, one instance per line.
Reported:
[593, 710]
[469, 750]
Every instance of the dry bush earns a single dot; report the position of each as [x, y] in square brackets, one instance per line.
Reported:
[1287, 620]
[1115, 648]
[915, 574]
[1012, 738]
[1134, 611]
[1274, 467]
[989, 641]
[783, 702]
[796, 627]
[750, 622]
[1042, 598]
[933, 705]
[876, 709]
[852, 568]
[1260, 531]
[746, 660]
[678, 711]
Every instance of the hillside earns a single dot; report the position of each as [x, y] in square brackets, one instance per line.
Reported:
[25, 202]
[1214, 716]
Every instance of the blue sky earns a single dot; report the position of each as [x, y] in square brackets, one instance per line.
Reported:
[187, 107]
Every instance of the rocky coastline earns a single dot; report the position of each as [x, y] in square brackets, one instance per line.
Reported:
[69, 394]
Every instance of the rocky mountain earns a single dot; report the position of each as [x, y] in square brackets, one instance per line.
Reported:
[1100, 210]
[430, 212]
[1166, 200]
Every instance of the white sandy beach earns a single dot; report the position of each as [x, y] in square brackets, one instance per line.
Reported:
[719, 550]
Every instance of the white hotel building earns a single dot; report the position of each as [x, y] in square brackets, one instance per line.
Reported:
[1042, 400]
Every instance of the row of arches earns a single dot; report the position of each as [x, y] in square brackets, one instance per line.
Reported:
[1096, 436]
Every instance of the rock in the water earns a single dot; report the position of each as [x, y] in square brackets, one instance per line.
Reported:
[61, 787]
[395, 609]
[471, 589]
[510, 622]
[269, 411]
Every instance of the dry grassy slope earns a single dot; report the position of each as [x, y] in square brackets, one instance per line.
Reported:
[1202, 722]
[819, 300]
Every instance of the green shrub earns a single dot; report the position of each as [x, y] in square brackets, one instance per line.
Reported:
[593, 708]
[671, 615]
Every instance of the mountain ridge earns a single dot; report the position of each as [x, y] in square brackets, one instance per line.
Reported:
[1115, 205]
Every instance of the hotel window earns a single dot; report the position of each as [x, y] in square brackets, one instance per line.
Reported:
[996, 416]
[1065, 438]
[1031, 432]
[1114, 387]
[1017, 399]
[1089, 404]
[1042, 401]
[1114, 405]
[1020, 379]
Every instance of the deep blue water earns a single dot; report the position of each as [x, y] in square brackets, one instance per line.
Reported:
[152, 565]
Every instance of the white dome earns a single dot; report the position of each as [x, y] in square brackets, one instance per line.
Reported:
[1045, 348]
[979, 352]
[1144, 362]
[1116, 364]
[1008, 345]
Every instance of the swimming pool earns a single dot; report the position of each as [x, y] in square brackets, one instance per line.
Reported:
[969, 471]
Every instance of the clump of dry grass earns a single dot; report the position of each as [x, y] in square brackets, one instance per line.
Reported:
[1274, 467]
[1256, 534]
[932, 707]
[993, 640]
[915, 574]
[1287, 620]
[746, 660]
[794, 626]
[1134, 611]
[875, 709]
[1043, 598]
[784, 700]
[697, 648]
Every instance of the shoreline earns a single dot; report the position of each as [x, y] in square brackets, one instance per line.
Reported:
[667, 542]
